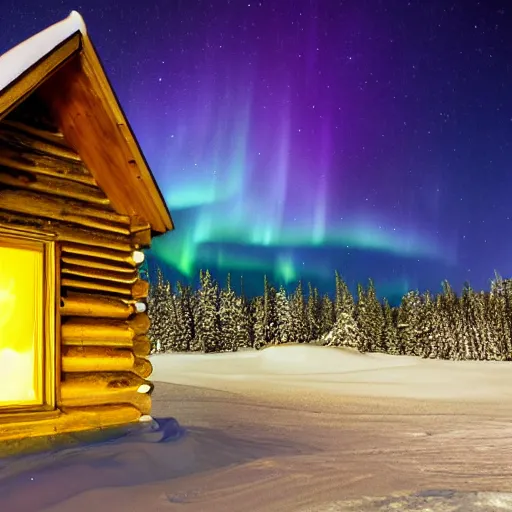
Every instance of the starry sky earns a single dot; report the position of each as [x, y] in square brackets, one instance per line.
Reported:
[294, 138]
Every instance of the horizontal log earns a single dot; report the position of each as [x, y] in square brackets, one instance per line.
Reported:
[143, 367]
[71, 419]
[102, 275]
[11, 136]
[97, 306]
[52, 137]
[93, 263]
[96, 359]
[80, 331]
[37, 205]
[93, 238]
[141, 346]
[53, 186]
[76, 397]
[47, 166]
[140, 289]
[132, 258]
[66, 233]
[137, 291]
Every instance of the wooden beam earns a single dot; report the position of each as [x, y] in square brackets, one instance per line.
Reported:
[130, 258]
[54, 186]
[136, 291]
[80, 331]
[71, 419]
[101, 274]
[21, 140]
[46, 166]
[51, 137]
[97, 264]
[40, 205]
[96, 306]
[96, 359]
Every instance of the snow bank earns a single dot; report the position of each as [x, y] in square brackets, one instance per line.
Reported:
[341, 371]
[20, 58]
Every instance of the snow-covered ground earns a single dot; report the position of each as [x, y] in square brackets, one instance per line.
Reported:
[294, 428]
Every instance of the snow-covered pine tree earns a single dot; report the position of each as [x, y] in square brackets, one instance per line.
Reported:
[376, 319]
[158, 313]
[445, 310]
[452, 324]
[470, 337]
[270, 314]
[345, 333]
[258, 316]
[499, 318]
[408, 322]
[489, 343]
[207, 314]
[228, 318]
[425, 329]
[243, 327]
[343, 301]
[186, 318]
[439, 329]
[284, 320]
[390, 330]
[313, 313]
[364, 319]
[327, 315]
[298, 327]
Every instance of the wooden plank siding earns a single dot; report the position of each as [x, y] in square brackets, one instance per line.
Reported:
[46, 187]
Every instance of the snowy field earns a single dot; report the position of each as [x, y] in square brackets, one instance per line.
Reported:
[294, 428]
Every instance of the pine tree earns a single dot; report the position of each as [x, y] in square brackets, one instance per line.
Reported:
[284, 319]
[376, 319]
[426, 326]
[158, 308]
[408, 322]
[259, 319]
[470, 334]
[345, 333]
[207, 314]
[298, 327]
[242, 322]
[390, 334]
[313, 313]
[270, 315]
[327, 315]
[185, 317]
[363, 321]
[499, 318]
[229, 318]
[344, 302]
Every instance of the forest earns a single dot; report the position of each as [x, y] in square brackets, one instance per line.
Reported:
[472, 325]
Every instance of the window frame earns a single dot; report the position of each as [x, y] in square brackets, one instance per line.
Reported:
[48, 344]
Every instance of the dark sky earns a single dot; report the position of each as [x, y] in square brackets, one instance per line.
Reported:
[295, 137]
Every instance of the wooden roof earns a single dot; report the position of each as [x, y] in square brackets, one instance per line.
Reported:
[61, 65]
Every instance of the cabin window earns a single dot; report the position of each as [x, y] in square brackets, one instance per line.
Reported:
[27, 323]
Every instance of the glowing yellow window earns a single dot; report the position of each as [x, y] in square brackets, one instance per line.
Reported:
[27, 340]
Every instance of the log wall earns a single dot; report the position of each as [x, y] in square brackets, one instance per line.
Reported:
[102, 318]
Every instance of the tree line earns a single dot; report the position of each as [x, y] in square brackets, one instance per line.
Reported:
[474, 325]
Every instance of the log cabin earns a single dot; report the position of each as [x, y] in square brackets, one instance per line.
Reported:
[78, 203]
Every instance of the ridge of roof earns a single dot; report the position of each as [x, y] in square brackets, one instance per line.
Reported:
[20, 58]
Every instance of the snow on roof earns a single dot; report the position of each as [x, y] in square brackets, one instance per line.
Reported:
[20, 58]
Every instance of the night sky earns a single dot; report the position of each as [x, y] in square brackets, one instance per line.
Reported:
[298, 137]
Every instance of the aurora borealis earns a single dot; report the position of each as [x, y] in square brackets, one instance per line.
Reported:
[296, 138]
